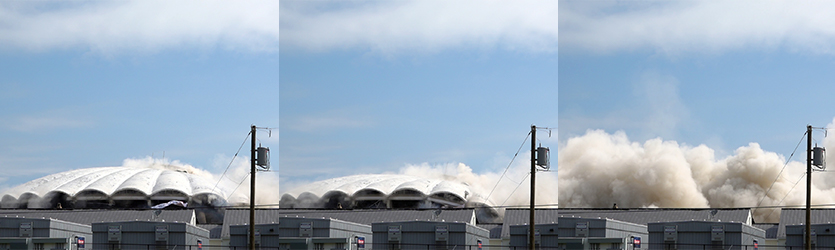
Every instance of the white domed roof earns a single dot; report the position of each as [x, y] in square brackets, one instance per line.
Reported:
[386, 185]
[154, 182]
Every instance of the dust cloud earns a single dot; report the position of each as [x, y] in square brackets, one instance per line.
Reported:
[599, 170]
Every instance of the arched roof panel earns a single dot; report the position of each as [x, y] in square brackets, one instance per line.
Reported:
[386, 185]
[107, 181]
[173, 180]
[144, 180]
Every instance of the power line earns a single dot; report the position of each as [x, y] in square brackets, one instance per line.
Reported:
[230, 162]
[273, 205]
[514, 190]
[781, 171]
[239, 185]
[787, 194]
[508, 167]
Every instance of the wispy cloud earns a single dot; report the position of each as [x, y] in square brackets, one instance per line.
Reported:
[661, 103]
[658, 111]
[334, 119]
[393, 27]
[677, 27]
[312, 123]
[140, 26]
[50, 120]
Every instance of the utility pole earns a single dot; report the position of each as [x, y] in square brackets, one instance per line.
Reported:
[808, 235]
[252, 194]
[531, 238]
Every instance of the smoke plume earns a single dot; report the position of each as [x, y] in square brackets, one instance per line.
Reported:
[600, 169]
[491, 189]
[507, 191]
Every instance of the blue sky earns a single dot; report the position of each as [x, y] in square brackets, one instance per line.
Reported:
[717, 73]
[693, 103]
[90, 84]
[376, 87]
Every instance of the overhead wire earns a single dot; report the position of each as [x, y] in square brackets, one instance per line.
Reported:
[787, 194]
[514, 190]
[525, 206]
[508, 166]
[230, 163]
[781, 170]
[239, 185]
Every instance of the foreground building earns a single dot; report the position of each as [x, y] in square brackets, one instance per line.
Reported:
[427, 235]
[704, 234]
[32, 233]
[147, 234]
[304, 233]
[599, 233]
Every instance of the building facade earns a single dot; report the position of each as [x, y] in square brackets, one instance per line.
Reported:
[428, 235]
[30, 233]
[148, 235]
[704, 235]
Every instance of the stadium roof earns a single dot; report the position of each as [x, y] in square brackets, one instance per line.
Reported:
[163, 183]
[383, 187]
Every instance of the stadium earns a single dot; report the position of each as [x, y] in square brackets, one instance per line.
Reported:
[120, 187]
[388, 191]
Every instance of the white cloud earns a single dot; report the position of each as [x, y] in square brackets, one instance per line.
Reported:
[698, 26]
[391, 27]
[143, 26]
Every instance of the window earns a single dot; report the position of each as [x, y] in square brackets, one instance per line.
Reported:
[283, 246]
[38, 246]
[615, 246]
[318, 246]
[340, 246]
[595, 246]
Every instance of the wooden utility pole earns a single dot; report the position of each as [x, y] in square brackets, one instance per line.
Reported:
[531, 231]
[808, 235]
[252, 194]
